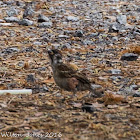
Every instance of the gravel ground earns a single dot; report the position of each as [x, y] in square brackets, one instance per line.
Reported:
[101, 37]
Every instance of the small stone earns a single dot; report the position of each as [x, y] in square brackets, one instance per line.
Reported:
[68, 32]
[30, 49]
[66, 46]
[137, 30]
[128, 91]
[115, 71]
[72, 18]
[134, 87]
[37, 43]
[1, 21]
[10, 50]
[114, 28]
[19, 3]
[36, 89]
[44, 89]
[45, 24]
[1, 3]
[97, 91]
[52, 9]
[11, 19]
[136, 33]
[42, 69]
[30, 78]
[115, 38]
[28, 10]
[12, 12]
[42, 18]
[87, 42]
[20, 64]
[79, 33]
[129, 57]
[138, 9]
[93, 34]
[137, 94]
[9, 2]
[137, 37]
[46, 39]
[25, 22]
[122, 19]
[116, 78]
[112, 106]
[63, 36]
[88, 108]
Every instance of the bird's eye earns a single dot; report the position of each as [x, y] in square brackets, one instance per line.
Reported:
[50, 52]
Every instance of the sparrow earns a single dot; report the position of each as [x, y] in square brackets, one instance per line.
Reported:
[68, 77]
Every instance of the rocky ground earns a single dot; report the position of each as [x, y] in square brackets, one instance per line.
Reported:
[101, 37]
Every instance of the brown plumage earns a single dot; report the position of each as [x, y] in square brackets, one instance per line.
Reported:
[66, 76]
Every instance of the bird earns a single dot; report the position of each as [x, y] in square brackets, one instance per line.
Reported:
[68, 78]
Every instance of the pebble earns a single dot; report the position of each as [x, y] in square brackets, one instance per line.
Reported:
[116, 78]
[1, 3]
[28, 11]
[93, 34]
[68, 32]
[46, 39]
[122, 19]
[115, 38]
[21, 64]
[72, 18]
[25, 22]
[42, 18]
[1, 21]
[115, 71]
[97, 91]
[12, 12]
[19, 3]
[129, 57]
[114, 28]
[29, 49]
[44, 89]
[66, 46]
[30, 78]
[88, 108]
[10, 50]
[45, 24]
[11, 19]
[9, 2]
[42, 69]
[37, 43]
[136, 33]
[134, 87]
[138, 9]
[79, 33]
[137, 94]
[63, 36]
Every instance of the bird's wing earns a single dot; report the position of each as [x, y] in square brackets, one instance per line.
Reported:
[66, 70]
[82, 78]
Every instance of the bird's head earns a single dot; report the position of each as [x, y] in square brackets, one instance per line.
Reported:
[55, 56]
